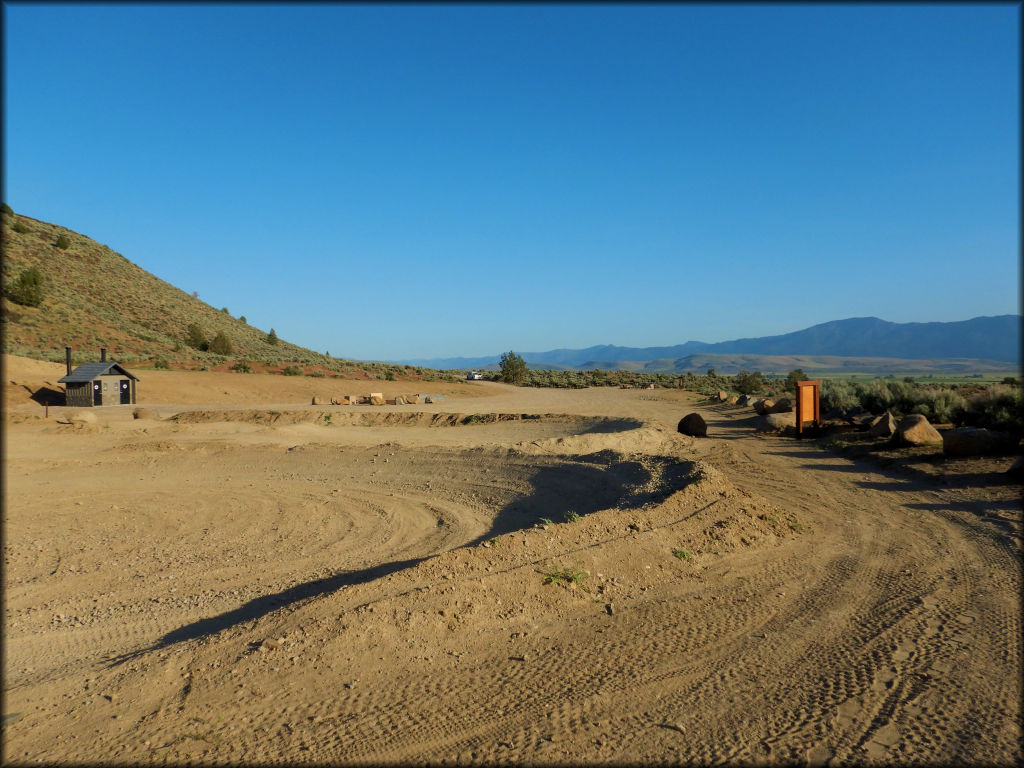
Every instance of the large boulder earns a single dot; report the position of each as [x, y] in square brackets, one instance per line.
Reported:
[743, 400]
[765, 406]
[722, 396]
[976, 441]
[693, 424]
[776, 422]
[1016, 470]
[882, 426]
[785, 405]
[915, 430]
[732, 400]
[318, 400]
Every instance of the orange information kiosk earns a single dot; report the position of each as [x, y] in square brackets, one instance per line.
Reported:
[808, 406]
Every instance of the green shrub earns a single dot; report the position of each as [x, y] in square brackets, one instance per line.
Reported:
[837, 394]
[27, 290]
[272, 337]
[747, 383]
[195, 337]
[19, 227]
[566, 576]
[221, 344]
[317, 374]
[682, 554]
[241, 367]
[291, 370]
[161, 364]
[571, 516]
[999, 407]
[242, 318]
[5, 208]
[62, 242]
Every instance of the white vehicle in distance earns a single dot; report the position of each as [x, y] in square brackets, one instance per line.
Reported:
[474, 376]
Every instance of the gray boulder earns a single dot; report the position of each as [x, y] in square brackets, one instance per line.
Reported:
[784, 405]
[916, 430]
[764, 407]
[976, 441]
[693, 424]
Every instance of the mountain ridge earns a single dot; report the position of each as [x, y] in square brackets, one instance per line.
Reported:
[993, 338]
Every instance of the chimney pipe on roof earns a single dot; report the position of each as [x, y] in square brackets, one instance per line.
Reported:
[103, 354]
[67, 358]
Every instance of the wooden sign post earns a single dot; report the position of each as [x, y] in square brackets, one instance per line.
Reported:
[808, 407]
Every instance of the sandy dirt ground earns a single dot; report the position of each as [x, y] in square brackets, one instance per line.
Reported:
[505, 576]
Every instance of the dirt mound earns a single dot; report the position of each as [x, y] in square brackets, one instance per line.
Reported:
[634, 439]
[362, 418]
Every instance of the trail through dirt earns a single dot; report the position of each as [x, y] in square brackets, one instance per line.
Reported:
[581, 586]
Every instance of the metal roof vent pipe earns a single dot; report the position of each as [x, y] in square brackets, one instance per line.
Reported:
[67, 358]
[103, 354]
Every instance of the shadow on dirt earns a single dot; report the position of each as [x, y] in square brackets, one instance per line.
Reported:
[559, 492]
[45, 395]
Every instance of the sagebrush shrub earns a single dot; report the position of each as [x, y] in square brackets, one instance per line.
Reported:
[195, 336]
[999, 407]
[63, 242]
[838, 394]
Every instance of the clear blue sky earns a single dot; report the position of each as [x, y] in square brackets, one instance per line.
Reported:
[401, 181]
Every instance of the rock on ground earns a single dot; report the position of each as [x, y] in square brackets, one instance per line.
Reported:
[915, 430]
[775, 422]
[977, 441]
[693, 424]
[882, 426]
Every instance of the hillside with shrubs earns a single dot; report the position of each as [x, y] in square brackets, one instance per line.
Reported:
[61, 288]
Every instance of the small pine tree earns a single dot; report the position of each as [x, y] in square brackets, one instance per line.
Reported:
[272, 337]
[513, 368]
[221, 344]
[63, 242]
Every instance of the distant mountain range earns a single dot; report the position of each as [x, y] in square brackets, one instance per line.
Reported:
[995, 340]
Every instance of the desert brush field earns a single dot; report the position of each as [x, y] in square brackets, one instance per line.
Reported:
[505, 575]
